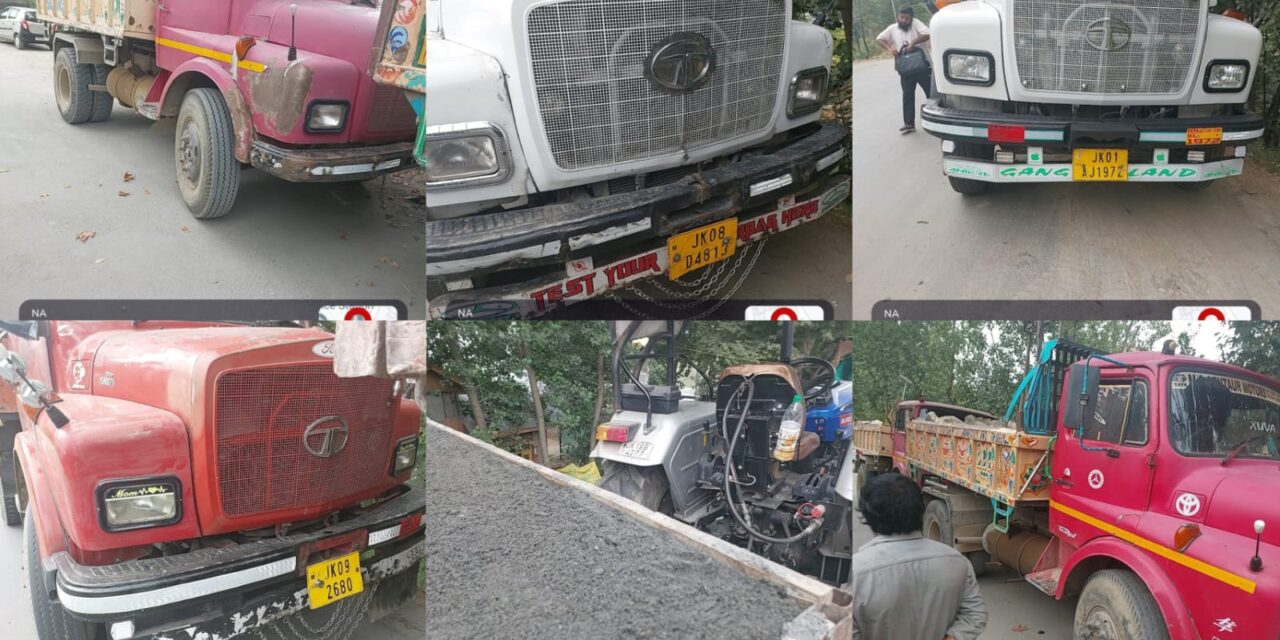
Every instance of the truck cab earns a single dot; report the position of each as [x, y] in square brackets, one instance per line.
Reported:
[1061, 91]
[568, 141]
[190, 478]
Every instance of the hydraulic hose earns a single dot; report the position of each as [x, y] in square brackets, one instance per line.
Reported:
[730, 477]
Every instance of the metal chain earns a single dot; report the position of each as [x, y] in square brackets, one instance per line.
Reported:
[710, 277]
[345, 617]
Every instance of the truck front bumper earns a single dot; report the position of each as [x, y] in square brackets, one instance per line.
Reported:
[325, 164]
[226, 591]
[1158, 147]
[768, 191]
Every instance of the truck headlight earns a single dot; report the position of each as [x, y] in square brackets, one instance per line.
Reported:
[808, 92]
[1225, 76]
[134, 504]
[406, 455]
[969, 67]
[326, 117]
[466, 154]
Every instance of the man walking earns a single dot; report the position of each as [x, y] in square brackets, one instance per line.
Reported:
[906, 587]
[908, 41]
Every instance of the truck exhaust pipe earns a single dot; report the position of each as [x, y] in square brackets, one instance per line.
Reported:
[129, 86]
[1020, 550]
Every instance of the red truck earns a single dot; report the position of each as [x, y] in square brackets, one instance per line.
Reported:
[1141, 482]
[277, 85]
[198, 480]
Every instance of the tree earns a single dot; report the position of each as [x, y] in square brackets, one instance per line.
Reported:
[1254, 346]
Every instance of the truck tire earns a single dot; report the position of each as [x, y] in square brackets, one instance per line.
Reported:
[937, 527]
[1115, 605]
[968, 187]
[102, 101]
[644, 485]
[204, 154]
[8, 492]
[52, 621]
[71, 82]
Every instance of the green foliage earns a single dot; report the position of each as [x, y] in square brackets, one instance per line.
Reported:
[1254, 346]
[1265, 96]
[833, 15]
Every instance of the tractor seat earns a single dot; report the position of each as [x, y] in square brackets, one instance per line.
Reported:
[809, 441]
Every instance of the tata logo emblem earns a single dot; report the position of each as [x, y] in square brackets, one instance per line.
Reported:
[1107, 34]
[682, 62]
[326, 437]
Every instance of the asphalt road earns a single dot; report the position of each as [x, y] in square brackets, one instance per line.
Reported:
[1015, 609]
[282, 240]
[915, 238]
[16, 623]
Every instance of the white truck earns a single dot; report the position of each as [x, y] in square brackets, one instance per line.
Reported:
[1096, 90]
[577, 146]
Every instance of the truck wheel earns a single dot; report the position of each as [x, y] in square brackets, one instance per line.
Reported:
[71, 82]
[645, 485]
[102, 101]
[52, 621]
[937, 527]
[208, 173]
[8, 492]
[1196, 186]
[1115, 605]
[968, 187]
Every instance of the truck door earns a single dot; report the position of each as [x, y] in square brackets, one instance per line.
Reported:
[1105, 469]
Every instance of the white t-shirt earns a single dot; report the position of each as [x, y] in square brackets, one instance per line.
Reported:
[896, 35]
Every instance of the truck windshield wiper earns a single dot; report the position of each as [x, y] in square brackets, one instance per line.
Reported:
[1235, 451]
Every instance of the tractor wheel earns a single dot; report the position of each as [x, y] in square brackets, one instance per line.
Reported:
[645, 485]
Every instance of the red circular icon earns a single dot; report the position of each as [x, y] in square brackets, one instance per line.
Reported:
[784, 313]
[1214, 313]
[358, 313]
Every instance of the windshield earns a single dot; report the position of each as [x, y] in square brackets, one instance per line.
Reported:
[1212, 414]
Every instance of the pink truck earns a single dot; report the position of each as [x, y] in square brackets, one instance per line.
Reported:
[1143, 483]
[277, 85]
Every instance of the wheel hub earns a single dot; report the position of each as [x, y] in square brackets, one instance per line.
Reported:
[1100, 626]
[189, 152]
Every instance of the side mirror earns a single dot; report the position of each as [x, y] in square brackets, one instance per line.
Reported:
[12, 367]
[1081, 396]
[33, 394]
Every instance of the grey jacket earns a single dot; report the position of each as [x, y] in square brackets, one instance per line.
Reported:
[906, 587]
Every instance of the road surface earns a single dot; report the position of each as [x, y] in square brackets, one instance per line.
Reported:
[16, 623]
[1015, 609]
[282, 240]
[914, 238]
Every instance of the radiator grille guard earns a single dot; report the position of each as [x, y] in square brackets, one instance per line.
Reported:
[598, 108]
[260, 417]
[1118, 47]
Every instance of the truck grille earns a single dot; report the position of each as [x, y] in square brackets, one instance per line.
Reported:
[1117, 47]
[597, 106]
[260, 417]
[390, 111]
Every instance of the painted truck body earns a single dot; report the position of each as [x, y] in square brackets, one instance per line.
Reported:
[560, 164]
[1181, 526]
[242, 96]
[228, 418]
[829, 614]
[1061, 91]
[400, 58]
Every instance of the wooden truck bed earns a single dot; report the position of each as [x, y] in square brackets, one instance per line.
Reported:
[119, 18]
[873, 438]
[995, 461]
[512, 545]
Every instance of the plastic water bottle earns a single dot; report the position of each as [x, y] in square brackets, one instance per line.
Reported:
[789, 433]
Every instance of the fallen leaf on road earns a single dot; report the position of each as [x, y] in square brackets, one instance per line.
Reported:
[84, 236]
[124, 194]
[146, 191]
[1019, 628]
[342, 236]
[44, 195]
[184, 229]
[128, 177]
[4, 171]
[922, 222]
[100, 261]
[66, 186]
[388, 260]
[372, 284]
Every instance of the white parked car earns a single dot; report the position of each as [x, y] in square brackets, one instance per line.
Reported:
[20, 26]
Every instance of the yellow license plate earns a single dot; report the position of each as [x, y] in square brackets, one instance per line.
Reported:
[1089, 165]
[1204, 136]
[333, 580]
[697, 248]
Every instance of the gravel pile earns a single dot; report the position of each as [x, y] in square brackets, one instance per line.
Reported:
[510, 555]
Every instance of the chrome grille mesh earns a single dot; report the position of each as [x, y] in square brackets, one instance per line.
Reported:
[597, 106]
[1116, 47]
